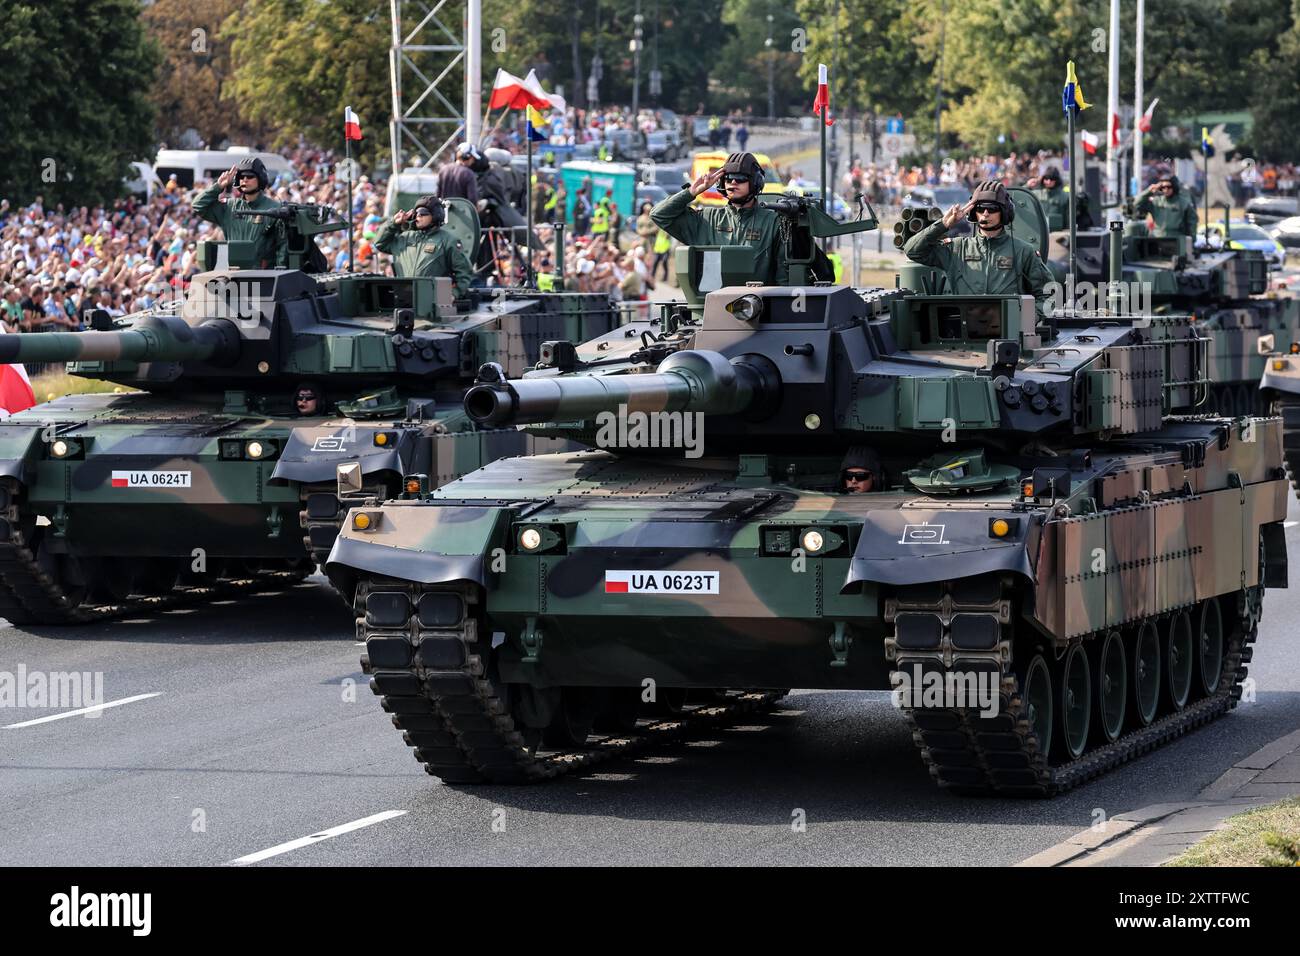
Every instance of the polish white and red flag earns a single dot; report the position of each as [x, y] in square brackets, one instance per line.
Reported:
[15, 390]
[1144, 123]
[510, 92]
[822, 104]
[1090, 142]
[351, 124]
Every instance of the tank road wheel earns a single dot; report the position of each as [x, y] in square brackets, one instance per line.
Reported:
[1037, 684]
[1146, 673]
[1076, 700]
[573, 719]
[1210, 647]
[1111, 667]
[68, 572]
[619, 708]
[1180, 658]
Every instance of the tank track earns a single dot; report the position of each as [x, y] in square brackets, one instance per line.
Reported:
[436, 683]
[30, 594]
[1288, 406]
[1000, 755]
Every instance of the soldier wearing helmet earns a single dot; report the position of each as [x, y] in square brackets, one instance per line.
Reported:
[991, 262]
[1173, 213]
[250, 179]
[742, 222]
[420, 247]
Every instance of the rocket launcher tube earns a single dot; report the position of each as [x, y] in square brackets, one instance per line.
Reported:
[155, 339]
[687, 381]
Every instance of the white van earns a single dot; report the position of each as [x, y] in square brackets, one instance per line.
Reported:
[200, 166]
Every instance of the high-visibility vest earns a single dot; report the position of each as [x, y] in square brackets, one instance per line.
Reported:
[600, 220]
[553, 201]
[838, 262]
[663, 242]
[545, 282]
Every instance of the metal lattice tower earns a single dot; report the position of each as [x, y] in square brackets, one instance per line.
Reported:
[428, 116]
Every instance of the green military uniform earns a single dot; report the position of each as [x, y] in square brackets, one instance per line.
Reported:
[756, 226]
[426, 252]
[1056, 206]
[1173, 215]
[979, 266]
[271, 241]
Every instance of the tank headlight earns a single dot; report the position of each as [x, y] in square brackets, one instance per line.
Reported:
[812, 422]
[1280, 365]
[747, 307]
[530, 539]
[813, 541]
[59, 449]
[263, 367]
[999, 528]
[255, 449]
[1295, 348]
[365, 520]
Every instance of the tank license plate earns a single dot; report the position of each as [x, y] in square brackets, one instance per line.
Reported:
[662, 582]
[150, 479]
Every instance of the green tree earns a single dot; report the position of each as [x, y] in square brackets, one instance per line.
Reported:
[195, 70]
[75, 88]
[561, 39]
[742, 64]
[1276, 101]
[298, 63]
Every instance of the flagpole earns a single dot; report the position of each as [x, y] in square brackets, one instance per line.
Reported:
[1139, 52]
[1074, 199]
[528, 201]
[1205, 154]
[822, 124]
[347, 149]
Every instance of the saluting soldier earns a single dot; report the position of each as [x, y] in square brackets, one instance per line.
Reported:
[250, 178]
[420, 247]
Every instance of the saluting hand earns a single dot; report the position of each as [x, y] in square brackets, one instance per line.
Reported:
[226, 178]
[706, 181]
[956, 212]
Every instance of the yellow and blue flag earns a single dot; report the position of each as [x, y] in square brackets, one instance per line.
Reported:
[535, 124]
[1072, 96]
[1207, 144]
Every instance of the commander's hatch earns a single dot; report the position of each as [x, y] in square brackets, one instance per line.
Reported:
[1030, 224]
[462, 222]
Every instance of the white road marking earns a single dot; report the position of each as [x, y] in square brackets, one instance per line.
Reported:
[301, 842]
[1287, 524]
[83, 710]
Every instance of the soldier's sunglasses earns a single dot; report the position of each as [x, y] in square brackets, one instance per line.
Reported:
[735, 179]
[987, 207]
[858, 476]
[305, 397]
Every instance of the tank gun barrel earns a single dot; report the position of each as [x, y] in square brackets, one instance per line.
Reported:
[686, 381]
[166, 339]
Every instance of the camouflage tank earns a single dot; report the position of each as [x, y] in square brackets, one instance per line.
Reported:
[1053, 530]
[206, 470]
[1280, 385]
[1224, 290]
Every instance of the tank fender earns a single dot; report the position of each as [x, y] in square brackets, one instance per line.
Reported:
[428, 545]
[19, 449]
[312, 454]
[919, 546]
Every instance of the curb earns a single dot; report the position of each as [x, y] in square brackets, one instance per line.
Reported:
[1123, 825]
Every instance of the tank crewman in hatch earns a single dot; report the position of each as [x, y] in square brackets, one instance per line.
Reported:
[306, 399]
[1172, 211]
[741, 222]
[991, 262]
[420, 247]
[250, 179]
[861, 471]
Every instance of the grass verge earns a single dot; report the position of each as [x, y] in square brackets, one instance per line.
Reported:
[1264, 836]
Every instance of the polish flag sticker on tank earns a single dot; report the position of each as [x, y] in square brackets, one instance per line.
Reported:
[662, 582]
